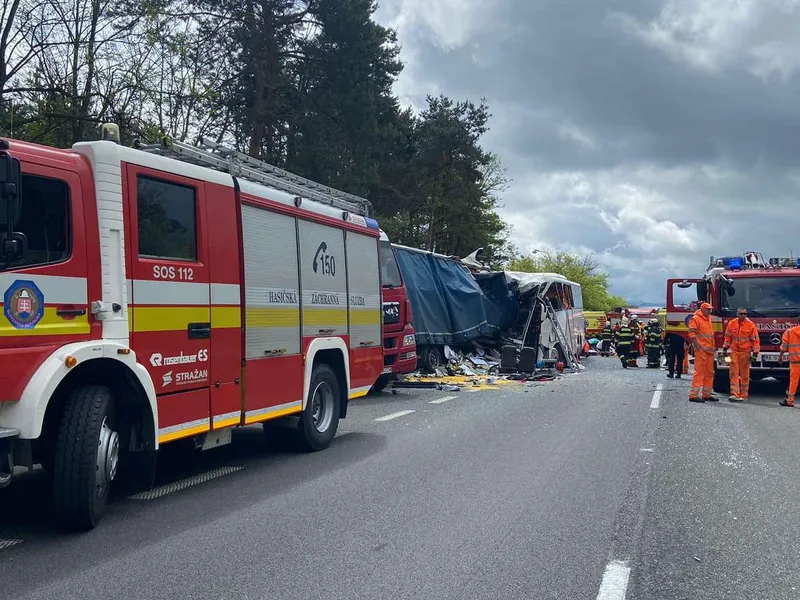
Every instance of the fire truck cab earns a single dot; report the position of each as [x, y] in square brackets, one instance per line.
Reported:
[769, 290]
[172, 292]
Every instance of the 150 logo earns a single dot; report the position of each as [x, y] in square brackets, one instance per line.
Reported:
[324, 263]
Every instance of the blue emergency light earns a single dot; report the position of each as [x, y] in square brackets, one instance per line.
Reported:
[735, 264]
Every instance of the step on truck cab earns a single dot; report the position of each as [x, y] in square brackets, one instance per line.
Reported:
[172, 292]
[769, 290]
[399, 342]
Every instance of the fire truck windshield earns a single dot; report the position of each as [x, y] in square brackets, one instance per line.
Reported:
[766, 296]
[390, 272]
[44, 221]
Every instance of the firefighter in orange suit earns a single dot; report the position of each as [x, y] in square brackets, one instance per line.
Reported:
[701, 336]
[741, 338]
[791, 346]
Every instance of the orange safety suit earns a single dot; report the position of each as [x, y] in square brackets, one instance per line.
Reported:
[741, 338]
[791, 346]
[702, 332]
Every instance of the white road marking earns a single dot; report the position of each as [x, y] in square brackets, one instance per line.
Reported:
[445, 399]
[182, 484]
[657, 396]
[7, 543]
[615, 581]
[400, 413]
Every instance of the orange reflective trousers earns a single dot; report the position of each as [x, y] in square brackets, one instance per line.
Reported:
[740, 374]
[703, 378]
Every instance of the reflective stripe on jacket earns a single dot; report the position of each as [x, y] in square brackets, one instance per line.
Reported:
[791, 343]
[701, 330]
[742, 337]
[624, 336]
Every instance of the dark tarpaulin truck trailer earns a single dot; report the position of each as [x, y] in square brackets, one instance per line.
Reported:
[447, 303]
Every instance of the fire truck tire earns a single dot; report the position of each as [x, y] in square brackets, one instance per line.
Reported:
[86, 457]
[381, 383]
[320, 419]
[722, 382]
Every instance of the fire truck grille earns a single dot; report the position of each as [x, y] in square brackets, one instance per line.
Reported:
[766, 338]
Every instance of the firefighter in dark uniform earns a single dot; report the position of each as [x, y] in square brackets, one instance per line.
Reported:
[606, 338]
[652, 344]
[624, 339]
[675, 346]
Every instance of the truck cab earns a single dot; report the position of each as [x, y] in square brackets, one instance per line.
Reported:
[399, 344]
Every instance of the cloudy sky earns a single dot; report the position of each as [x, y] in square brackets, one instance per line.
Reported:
[651, 133]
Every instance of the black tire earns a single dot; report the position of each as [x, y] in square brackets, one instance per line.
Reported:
[431, 358]
[722, 381]
[381, 383]
[317, 427]
[80, 501]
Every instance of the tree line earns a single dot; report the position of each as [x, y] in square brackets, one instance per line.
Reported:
[304, 84]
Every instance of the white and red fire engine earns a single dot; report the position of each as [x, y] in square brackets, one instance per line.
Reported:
[172, 292]
[769, 290]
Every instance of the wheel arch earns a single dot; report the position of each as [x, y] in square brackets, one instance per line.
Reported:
[101, 362]
[334, 353]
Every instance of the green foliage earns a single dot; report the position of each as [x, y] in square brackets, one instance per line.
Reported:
[303, 84]
[580, 269]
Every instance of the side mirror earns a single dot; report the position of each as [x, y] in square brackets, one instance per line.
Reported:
[10, 187]
[685, 284]
[702, 291]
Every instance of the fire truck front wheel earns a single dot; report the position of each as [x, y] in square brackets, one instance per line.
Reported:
[86, 457]
[320, 419]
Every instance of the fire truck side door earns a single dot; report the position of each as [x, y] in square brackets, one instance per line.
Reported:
[170, 309]
[682, 302]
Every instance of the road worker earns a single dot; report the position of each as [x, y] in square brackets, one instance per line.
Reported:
[624, 339]
[701, 336]
[741, 338]
[606, 337]
[791, 345]
[652, 344]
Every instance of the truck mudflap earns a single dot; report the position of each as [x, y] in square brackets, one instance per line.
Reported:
[7, 436]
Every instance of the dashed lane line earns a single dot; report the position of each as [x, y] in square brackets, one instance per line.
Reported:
[8, 542]
[614, 585]
[441, 400]
[182, 484]
[395, 415]
[656, 402]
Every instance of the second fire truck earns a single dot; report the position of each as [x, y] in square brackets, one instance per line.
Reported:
[769, 290]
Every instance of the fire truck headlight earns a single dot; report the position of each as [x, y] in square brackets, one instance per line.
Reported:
[408, 340]
[70, 361]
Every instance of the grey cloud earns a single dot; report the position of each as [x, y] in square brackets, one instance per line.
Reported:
[664, 131]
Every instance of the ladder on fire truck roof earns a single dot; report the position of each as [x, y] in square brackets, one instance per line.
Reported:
[221, 158]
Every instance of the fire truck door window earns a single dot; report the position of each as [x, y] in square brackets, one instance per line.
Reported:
[684, 297]
[45, 221]
[167, 219]
[271, 279]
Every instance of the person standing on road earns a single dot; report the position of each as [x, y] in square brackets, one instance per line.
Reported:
[741, 338]
[624, 339]
[606, 337]
[791, 345]
[652, 344]
[701, 336]
[675, 347]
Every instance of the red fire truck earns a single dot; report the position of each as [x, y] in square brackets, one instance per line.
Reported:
[172, 292]
[399, 342]
[769, 290]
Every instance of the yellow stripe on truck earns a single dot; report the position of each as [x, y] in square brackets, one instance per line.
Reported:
[50, 324]
[177, 318]
[281, 316]
[365, 317]
[325, 317]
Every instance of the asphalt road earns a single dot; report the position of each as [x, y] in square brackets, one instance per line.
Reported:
[595, 485]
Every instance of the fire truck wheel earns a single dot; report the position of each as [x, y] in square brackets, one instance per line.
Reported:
[722, 382]
[320, 419]
[87, 454]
